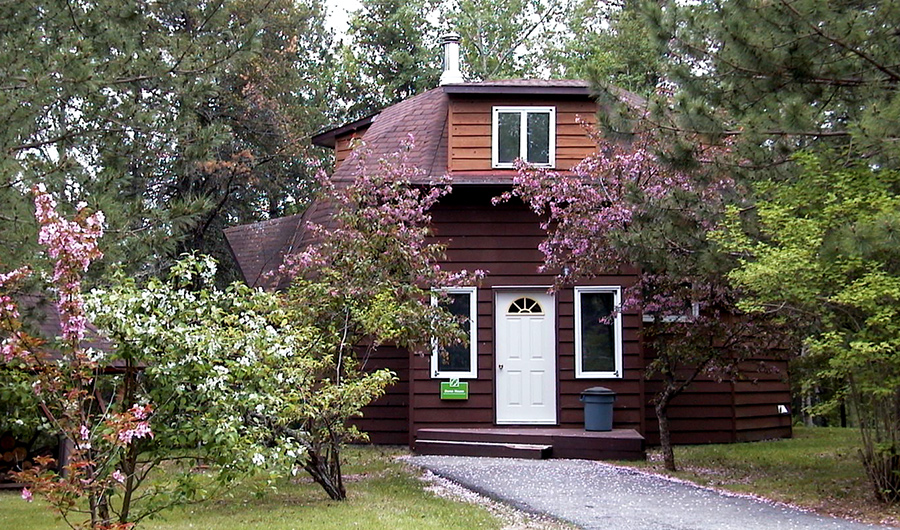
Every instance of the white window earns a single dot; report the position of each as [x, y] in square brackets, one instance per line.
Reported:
[690, 314]
[458, 361]
[598, 337]
[528, 133]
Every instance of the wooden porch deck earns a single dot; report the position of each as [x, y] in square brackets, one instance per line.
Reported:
[532, 442]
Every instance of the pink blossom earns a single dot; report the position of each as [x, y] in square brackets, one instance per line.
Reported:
[85, 432]
[140, 430]
[11, 347]
[13, 276]
[118, 476]
[141, 411]
[74, 245]
[27, 495]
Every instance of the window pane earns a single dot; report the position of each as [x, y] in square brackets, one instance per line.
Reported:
[539, 137]
[508, 136]
[597, 338]
[456, 358]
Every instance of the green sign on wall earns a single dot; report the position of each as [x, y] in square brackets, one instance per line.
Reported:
[454, 389]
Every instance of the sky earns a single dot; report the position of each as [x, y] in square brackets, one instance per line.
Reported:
[338, 14]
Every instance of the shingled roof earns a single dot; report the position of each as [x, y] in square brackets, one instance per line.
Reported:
[261, 247]
[424, 117]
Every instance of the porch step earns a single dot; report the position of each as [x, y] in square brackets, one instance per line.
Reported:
[463, 448]
[618, 444]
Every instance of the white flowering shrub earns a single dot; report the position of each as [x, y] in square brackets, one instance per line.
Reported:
[240, 380]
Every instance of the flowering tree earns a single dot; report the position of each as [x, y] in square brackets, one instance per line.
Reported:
[238, 379]
[622, 207]
[365, 281]
[124, 411]
[64, 378]
[243, 379]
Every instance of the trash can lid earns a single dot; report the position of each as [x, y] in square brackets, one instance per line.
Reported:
[597, 391]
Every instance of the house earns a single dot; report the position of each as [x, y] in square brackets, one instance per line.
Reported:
[532, 352]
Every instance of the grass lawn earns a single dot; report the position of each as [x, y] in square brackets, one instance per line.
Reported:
[383, 494]
[818, 469]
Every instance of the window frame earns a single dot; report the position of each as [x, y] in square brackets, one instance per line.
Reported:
[472, 373]
[618, 341]
[523, 134]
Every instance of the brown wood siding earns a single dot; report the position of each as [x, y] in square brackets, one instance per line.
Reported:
[470, 130]
[757, 396]
[723, 412]
[387, 419]
[343, 146]
[503, 239]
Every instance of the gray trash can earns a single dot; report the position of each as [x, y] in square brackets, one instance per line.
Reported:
[598, 408]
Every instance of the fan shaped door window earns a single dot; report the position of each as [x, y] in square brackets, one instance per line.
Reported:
[528, 133]
[525, 306]
[526, 358]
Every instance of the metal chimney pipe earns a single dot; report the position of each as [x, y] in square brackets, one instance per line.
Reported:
[451, 74]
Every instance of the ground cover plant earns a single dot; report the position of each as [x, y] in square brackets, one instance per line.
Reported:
[817, 469]
[384, 494]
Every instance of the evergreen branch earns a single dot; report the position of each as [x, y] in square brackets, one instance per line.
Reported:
[60, 138]
[856, 81]
[738, 132]
[74, 20]
[894, 76]
[761, 75]
[813, 134]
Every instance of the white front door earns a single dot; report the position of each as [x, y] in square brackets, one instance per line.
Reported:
[526, 358]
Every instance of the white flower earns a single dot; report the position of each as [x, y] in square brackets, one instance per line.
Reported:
[258, 459]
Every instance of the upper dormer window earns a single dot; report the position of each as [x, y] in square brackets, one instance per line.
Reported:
[528, 133]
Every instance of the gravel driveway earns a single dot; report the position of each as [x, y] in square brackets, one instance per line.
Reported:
[594, 495]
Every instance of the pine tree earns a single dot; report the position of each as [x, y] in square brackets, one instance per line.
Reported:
[392, 55]
[139, 110]
[779, 76]
[801, 95]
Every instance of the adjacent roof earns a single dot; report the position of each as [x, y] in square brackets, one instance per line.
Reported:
[327, 138]
[41, 318]
[40, 312]
[260, 248]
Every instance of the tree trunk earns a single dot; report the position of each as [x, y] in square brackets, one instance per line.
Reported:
[326, 473]
[103, 505]
[128, 463]
[99, 507]
[665, 436]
